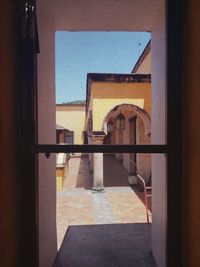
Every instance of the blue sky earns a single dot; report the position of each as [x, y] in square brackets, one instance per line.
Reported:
[79, 53]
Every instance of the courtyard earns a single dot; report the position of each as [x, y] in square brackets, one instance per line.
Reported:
[77, 204]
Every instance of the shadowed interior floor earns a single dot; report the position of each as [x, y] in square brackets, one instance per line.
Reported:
[110, 245]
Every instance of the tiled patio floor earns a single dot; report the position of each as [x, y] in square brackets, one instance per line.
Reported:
[78, 205]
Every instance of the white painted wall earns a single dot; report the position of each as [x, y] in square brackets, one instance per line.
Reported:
[46, 135]
[159, 177]
[121, 15]
[110, 15]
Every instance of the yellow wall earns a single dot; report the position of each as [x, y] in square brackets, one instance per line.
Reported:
[145, 67]
[60, 173]
[72, 118]
[106, 95]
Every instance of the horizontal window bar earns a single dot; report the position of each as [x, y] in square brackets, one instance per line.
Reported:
[100, 148]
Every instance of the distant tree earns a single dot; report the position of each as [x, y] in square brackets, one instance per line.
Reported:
[74, 102]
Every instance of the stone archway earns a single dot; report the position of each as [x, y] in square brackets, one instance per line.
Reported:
[145, 117]
[142, 130]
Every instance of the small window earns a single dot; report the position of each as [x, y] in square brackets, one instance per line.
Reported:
[69, 137]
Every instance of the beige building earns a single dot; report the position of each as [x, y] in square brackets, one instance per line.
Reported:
[143, 64]
[72, 118]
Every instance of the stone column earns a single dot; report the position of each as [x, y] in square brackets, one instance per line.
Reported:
[98, 172]
[97, 139]
[90, 155]
[91, 168]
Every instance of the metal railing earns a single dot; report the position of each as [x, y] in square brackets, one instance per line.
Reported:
[147, 189]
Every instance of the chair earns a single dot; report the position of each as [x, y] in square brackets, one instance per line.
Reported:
[147, 189]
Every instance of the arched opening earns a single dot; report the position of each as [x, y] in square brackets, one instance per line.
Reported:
[136, 130]
[114, 112]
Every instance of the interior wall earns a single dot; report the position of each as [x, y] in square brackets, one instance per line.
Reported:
[105, 15]
[10, 206]
[191, 153]
[159, 176]
[46, 135]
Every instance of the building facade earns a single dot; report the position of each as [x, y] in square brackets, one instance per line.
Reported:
[72, 118]
[119, 107]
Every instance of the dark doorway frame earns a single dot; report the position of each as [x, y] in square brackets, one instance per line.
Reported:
[173, 149]
[175, 27]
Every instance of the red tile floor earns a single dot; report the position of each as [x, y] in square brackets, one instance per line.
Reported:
[78, 205]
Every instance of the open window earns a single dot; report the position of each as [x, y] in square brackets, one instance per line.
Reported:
[162, 138]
